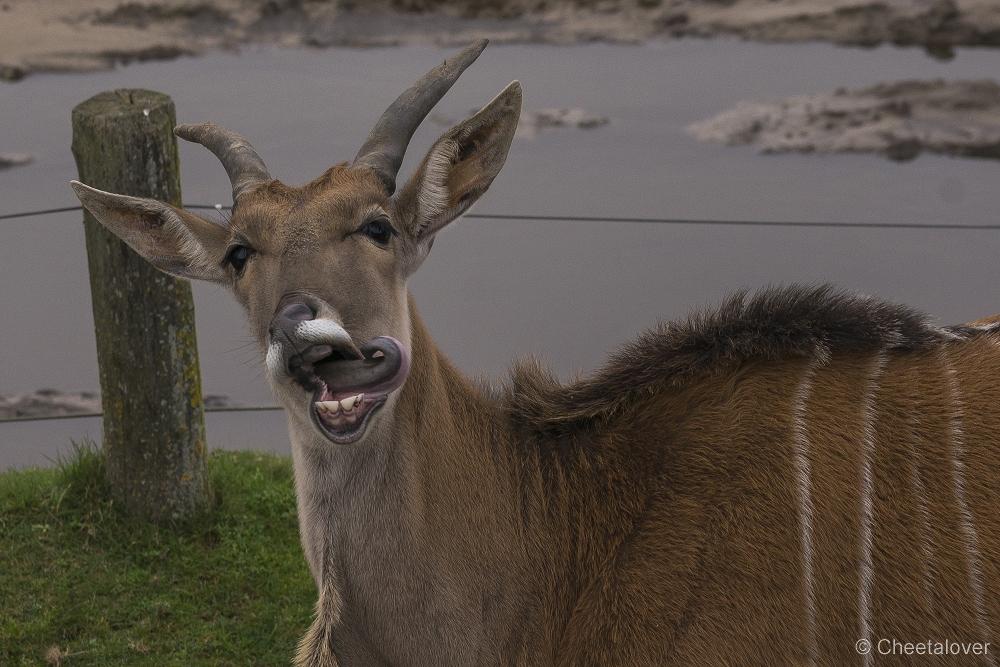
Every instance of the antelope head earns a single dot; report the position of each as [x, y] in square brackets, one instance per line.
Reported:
[322, 269]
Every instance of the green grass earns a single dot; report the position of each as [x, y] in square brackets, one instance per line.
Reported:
[80, 584]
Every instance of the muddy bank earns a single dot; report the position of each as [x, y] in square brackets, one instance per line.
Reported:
[8, 160]
[898, 120]
[532, 122]
[81, 35]
[51, 403]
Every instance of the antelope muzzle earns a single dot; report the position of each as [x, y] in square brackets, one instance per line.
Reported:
[347, 383]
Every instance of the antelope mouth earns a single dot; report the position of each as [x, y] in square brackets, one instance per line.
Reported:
[347, 392]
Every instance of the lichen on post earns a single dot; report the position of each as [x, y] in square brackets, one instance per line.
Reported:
[147, 351]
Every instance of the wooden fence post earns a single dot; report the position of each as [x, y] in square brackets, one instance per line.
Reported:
[154, 421]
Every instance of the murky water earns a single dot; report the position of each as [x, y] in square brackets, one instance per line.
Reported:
[491, 291]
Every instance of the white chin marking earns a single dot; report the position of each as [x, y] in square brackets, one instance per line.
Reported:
[273, 361]
[322, 331]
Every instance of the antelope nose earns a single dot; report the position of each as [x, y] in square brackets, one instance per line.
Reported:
[289, 316]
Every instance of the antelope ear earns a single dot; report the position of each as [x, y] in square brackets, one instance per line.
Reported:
[460, 167]
[169, 238]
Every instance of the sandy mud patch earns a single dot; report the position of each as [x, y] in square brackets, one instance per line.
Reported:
[899, 120]
[53, 403]
[48, 402]
[8, 160]
[81, 35]
[532, 122]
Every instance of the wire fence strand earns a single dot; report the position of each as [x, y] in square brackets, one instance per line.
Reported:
[833, 224]
[83, 415]
[28, 214]
[542, 218]
[739, 223]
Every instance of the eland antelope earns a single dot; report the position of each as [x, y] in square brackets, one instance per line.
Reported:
[799, 477]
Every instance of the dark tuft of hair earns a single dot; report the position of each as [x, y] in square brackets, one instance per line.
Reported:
[773, 324]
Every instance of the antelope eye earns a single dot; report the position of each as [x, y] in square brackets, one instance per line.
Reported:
[238, 256]
[379, 231]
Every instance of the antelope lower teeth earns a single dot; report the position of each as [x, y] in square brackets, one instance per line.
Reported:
[348, 404]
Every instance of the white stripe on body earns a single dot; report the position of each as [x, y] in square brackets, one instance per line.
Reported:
[967, 524]
[865, 566]
[803, 477]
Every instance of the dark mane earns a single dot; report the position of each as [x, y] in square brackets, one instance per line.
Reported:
[775, 323]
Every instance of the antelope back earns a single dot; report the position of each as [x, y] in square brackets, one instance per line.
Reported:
[797, 473]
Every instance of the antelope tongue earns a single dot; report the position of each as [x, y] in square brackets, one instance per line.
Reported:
[383, 369]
